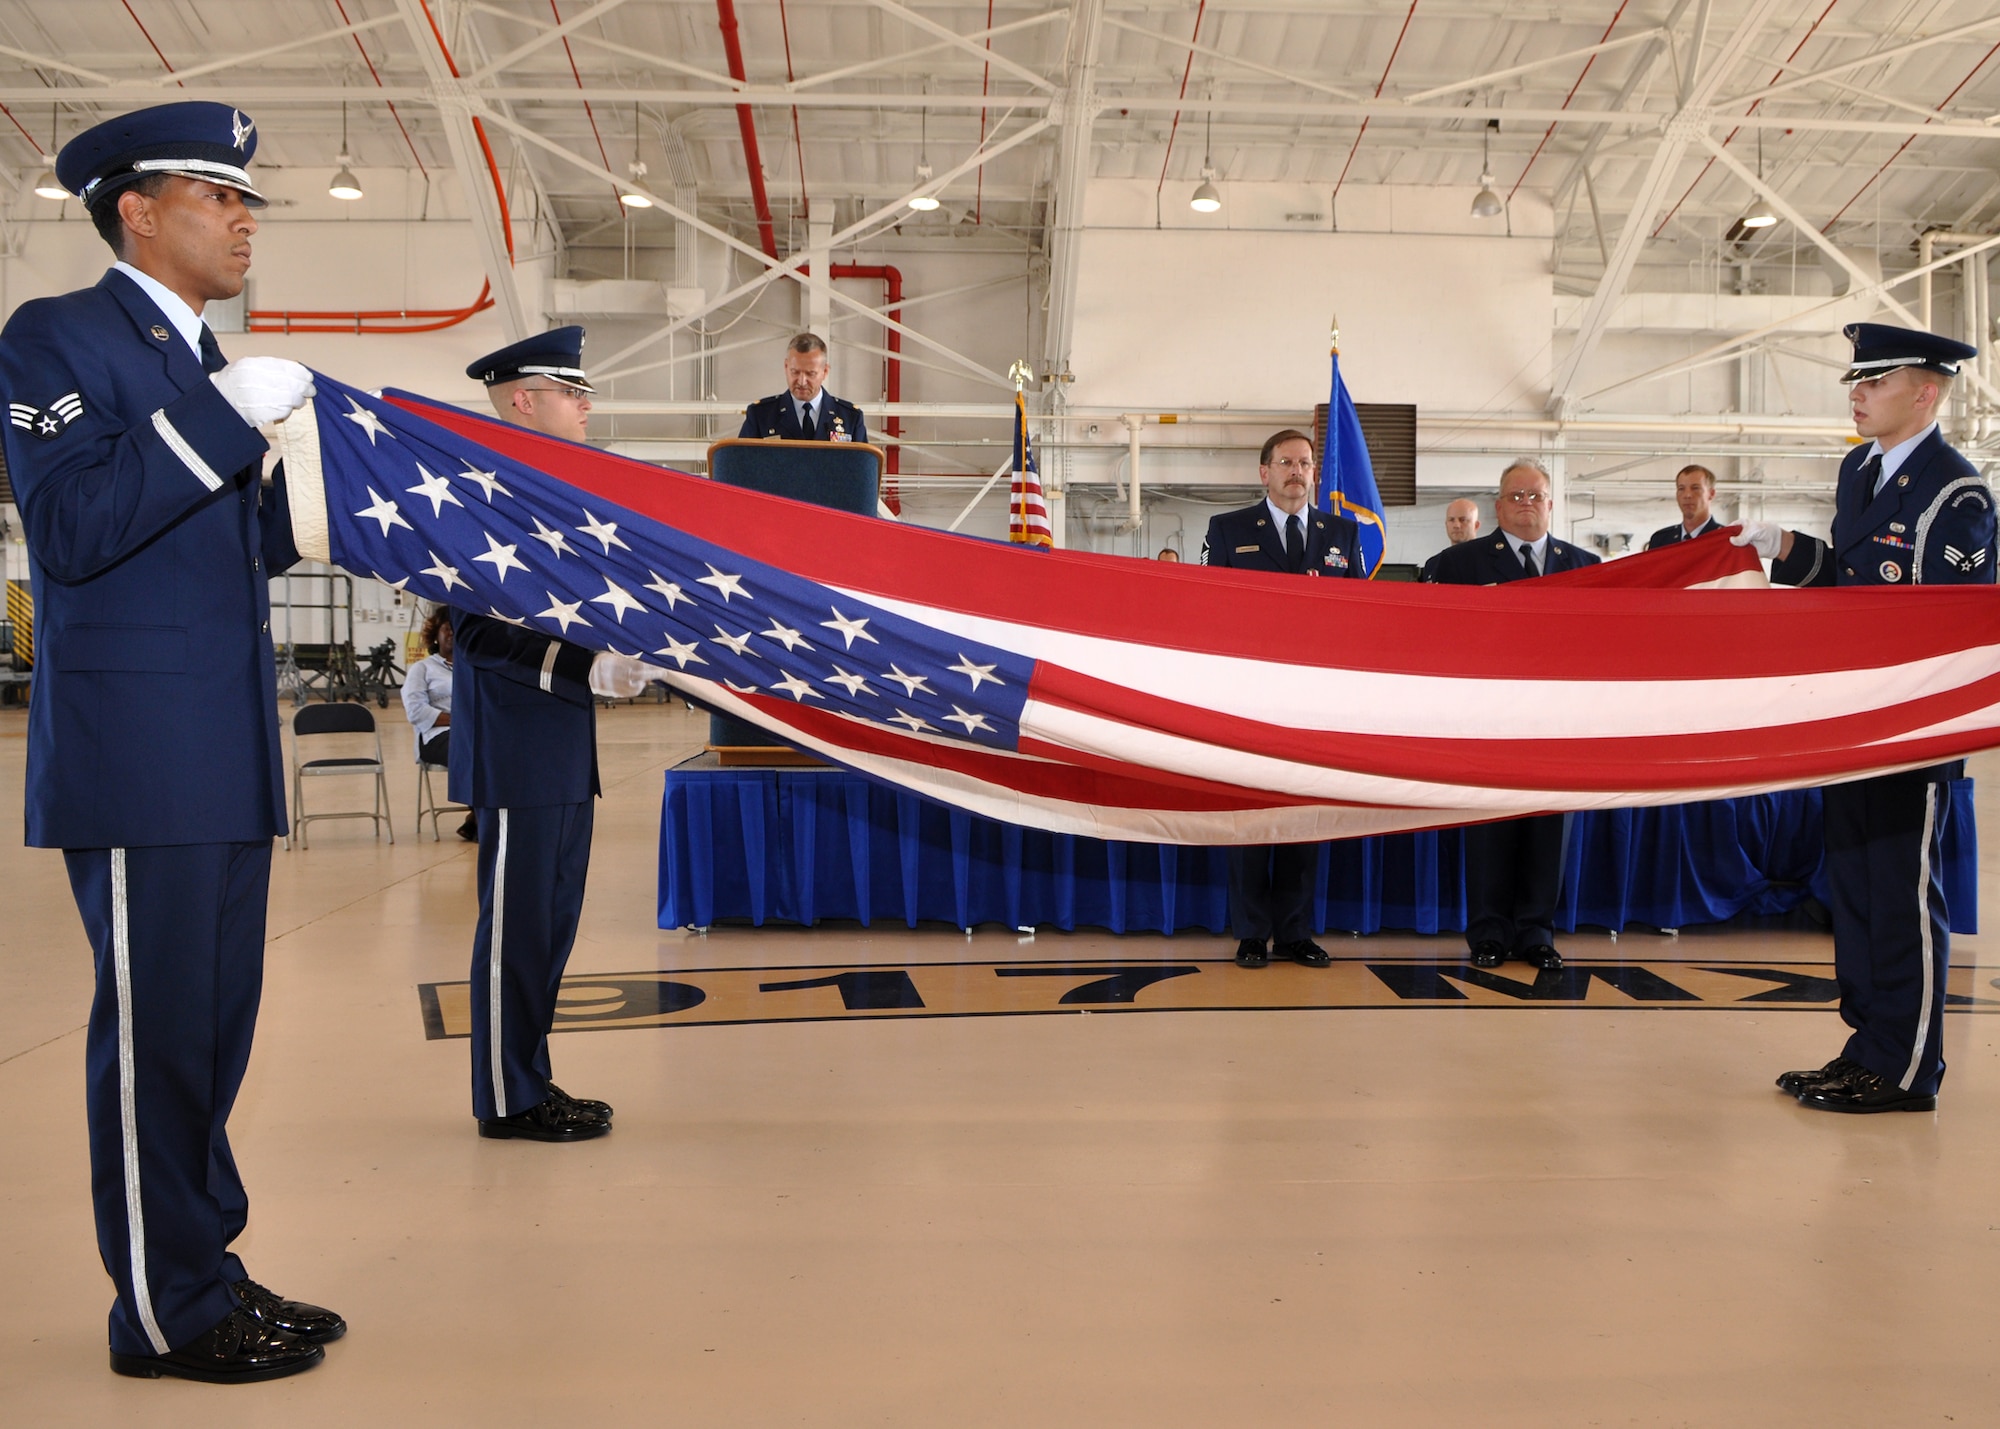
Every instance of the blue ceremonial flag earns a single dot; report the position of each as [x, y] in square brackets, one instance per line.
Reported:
[1347, 476]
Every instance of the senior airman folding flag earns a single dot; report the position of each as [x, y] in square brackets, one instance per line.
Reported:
[1138, 700]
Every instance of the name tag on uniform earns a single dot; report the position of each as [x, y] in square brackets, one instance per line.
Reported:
[1245, 550]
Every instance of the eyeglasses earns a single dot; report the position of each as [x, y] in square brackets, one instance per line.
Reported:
[1287, 465]
[1526, 498]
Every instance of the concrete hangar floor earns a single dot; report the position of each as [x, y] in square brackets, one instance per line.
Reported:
[1469, 1214]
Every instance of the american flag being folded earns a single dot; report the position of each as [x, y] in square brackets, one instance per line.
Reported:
[1131, 699]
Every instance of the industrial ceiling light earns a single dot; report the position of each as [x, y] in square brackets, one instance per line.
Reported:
[1207, 197]
[924, 202]
[1760, 215]
[630, 198]
[1486, 203]
[344, 186]
[46, 185]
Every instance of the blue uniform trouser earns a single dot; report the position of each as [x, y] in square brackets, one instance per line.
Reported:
[1891, 931]
[1513, 876]
[532, 864]
[178, 935]
[1271, 889]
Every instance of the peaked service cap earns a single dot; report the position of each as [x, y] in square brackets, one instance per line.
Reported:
[1880, 349]
[195, 139]
[557, 353]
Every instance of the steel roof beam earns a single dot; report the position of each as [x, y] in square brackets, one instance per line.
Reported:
[549, 35]
[1072, 176]
[957, 41]
[1686, 126]
[1495, 76]
[455, 101]
[1893, 52]
[1288, 76]
[777, 270]
[883, 61]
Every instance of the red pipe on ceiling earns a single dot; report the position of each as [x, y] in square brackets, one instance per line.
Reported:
[892, 378]
[369, 323]
[725, 11]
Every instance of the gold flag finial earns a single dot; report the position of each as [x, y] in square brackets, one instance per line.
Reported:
[1334, 340]
[1021, 373]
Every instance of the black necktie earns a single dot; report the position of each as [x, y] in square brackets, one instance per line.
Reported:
[1528, 559]
[1295, 544]
[806, 422]
[212, 359]
[1871, 473]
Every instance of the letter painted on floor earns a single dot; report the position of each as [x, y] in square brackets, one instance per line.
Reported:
[1015, 987]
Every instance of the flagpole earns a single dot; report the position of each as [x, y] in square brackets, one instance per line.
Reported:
[1021, 373]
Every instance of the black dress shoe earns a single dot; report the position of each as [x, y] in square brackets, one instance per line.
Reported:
[294, 1317]
[1488, 954]
[469, 830]
[1304, 951]
[240, 1349]
[1860, 1090]
[1542, 956]
[547, 1120]
[1251, 953]
[1798, 1083]
[595, 1108]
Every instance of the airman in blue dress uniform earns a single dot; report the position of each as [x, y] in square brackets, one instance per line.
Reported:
[153, 755]
[1694, 490]
[1513, 867]
[1908, 510]
[805, 411]
[524, 760]
[1271, 885]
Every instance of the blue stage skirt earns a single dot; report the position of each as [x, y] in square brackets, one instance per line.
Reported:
[800, 845]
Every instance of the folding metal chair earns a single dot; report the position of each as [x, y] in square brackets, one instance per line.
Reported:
[428, 806]
[315, 721]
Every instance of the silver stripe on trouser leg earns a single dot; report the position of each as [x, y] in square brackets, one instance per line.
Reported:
[493, 971]
[128, 1102]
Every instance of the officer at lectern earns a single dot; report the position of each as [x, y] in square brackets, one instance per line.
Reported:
[805, 411]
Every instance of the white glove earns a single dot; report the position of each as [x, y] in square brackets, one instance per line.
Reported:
[1767, 538]
[618, 677]
[264, 389]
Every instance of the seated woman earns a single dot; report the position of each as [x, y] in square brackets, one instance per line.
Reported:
[427, 701]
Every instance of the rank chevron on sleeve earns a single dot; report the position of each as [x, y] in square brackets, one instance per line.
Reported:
[47, 423]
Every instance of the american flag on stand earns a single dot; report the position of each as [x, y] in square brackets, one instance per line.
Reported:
[1027, 512]
[1128, 699]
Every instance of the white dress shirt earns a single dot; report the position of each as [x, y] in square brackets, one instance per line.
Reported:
[1893, 459]
[1540, 548]
[186, 321]
[1279, 516]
